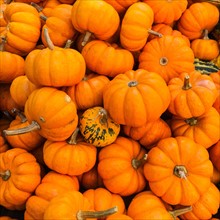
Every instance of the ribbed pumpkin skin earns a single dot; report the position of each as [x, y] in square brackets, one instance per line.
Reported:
[24, 28]
[192, 101]
[204, 130]
[136, 97]
[163, 167]
[103, 17]
[56, 68]
[9, 72]
[167, 12]
[216, 79]
[136, 22]
[168, 56]
[116, 166]
[3, 144]
[51, 185]
[97, 130]
[54, 111]
[206, 207]
[214, 153]
[106, 59]
[25, 177]
[196, 18]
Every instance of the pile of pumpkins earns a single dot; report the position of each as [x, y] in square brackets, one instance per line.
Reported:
[109, 109]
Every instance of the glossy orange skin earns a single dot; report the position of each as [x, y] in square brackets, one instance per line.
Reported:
[120, 216]
[216, 79]
[3, 144]
[145, 95]
[102, 199]
[195, 101]
[205, 131]
[167, 12]
[106, 59]
[179, 55]
[160, 165]
[48, 106]
[51, 185]
[25, 177]
[24, 28]
[116, 169]
[214, 153]
[206, 207]
[192, 22]
[135, 24]
[97, 17]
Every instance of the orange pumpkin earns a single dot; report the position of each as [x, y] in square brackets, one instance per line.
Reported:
[167, 12]
[196, 18]
[106, 59]
[178, 170]
[19, 177]
[214, 153]
[121, 163]
[117, 216]
[192, 94]
[216, 79]
[135, 26]
[204, 129]
[3, 144]
[52, 184]
[168, 56]
[136, 97]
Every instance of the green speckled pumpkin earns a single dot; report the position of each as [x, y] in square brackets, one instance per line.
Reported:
[97, 127]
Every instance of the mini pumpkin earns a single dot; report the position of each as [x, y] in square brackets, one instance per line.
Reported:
[214, 153]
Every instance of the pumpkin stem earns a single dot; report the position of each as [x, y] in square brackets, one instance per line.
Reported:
[180, 171]
[43, 17]
[48, 40]
[191, 121]
[19, 114]
[186, 84]
[83, 215]
[163, 61]
[2, 43]
[31, 127]
[38, 7]
[206, 34]
[133, 83]
[158, 34]
[136, 163]
[86, 38]
[72, 139]
[68, 44]
[178, 212]
[103, 116]
[5, 175]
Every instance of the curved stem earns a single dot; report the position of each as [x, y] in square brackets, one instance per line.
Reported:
[31, 127]
[178, 212]
[86, 38]
[19, 114]
[5, 175]
[38, 7]
[136, 163]
[206, 34]
[72, 139]
[186, 84]
[43, 17]
[83, 215]
[158, 34]
[48, 40]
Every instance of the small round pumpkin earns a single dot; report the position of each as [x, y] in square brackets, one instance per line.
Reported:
[97, 127]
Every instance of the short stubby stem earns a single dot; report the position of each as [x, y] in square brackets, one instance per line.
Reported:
[180, 171]
[133, 83]
[186, 84]
[136, 163]
[5, 175]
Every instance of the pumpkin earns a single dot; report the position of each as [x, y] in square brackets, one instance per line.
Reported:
[97, 127]
[214, 153]
[150, 133]
[8, 71]
[27, 141]
[3, 23]
[52, 184]
[54, 66]
[178, 170]
[136, 97]
[95, 17]
[207, 205]
[192, 94]
[102, 199]
[23, 30]
[168, 56]
[205, 48]
[196, 18]
[121, 163]
[3, 144]
[51, 112]
[216, 79]
[167, 12]
[146, 205]
[88, 92]
[216, 175]
[73, 205]
[20, 88]
[205, 67]
[204, 129]
[59, 25]
[135, 26]
[71, 157]
[19, 177]
[117, 216]
[106, 59]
